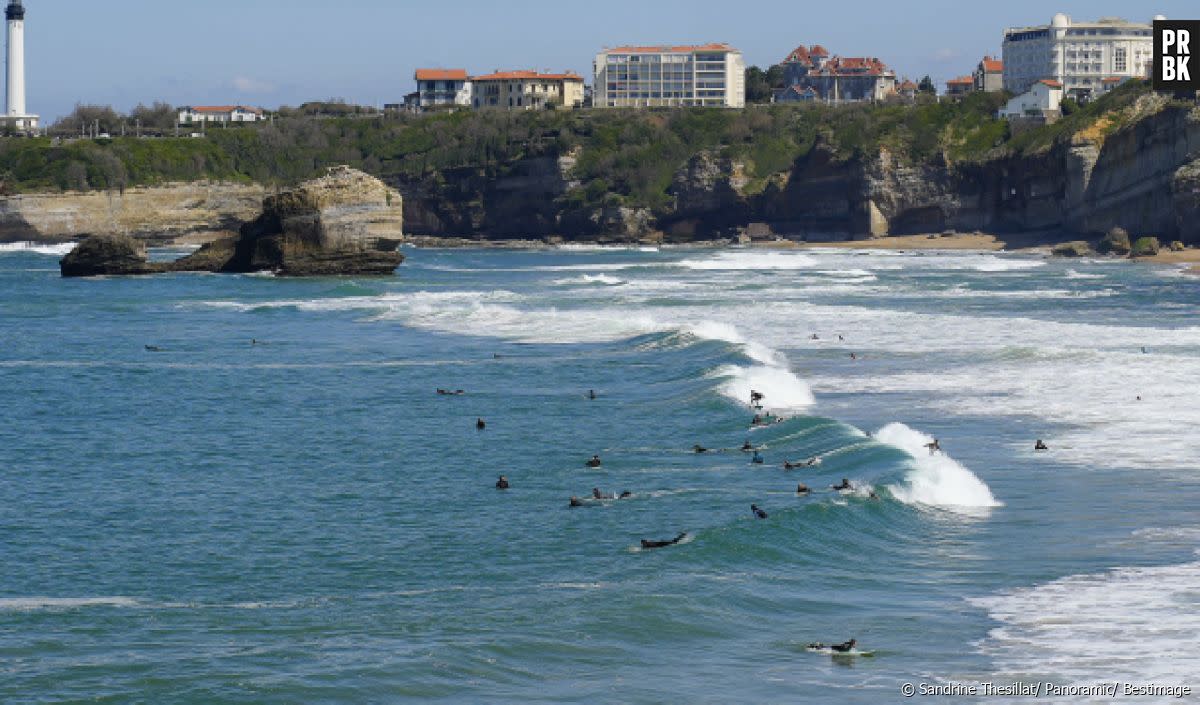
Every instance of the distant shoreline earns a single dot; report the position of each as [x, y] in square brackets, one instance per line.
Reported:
[1021, 243]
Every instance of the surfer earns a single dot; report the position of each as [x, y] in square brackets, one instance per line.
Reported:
[592, 394]
[746, 447]
[576, 502]
[699, 449]
[597, 494]
[840, 338]
[844, 487]
[853, 356]
[1041, 445]
[758, 513]
[815, 337]
[502, 483]
[845, 648]
[802, 490]
[756, 397]
[594, 462]
[153, 348]
[480, 424]
[626, 495]
[789, 465]
[935, 447]
[757, 459]
[663, 544]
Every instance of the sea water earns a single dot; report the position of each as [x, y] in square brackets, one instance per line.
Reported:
[275, 505]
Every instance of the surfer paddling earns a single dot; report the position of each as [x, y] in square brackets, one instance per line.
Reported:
[663, 544]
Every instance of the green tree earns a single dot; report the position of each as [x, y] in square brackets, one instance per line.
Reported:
[758, 89]
[926, 86]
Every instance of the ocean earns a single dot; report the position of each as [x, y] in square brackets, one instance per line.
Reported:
[272, 504]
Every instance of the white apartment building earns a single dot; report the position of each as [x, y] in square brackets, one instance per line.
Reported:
[1044, 99]
[219, 113]
[1078, 55]
[710, 75]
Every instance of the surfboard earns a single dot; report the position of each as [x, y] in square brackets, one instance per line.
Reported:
[826, 651]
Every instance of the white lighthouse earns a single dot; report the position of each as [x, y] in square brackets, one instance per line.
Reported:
[15, 115]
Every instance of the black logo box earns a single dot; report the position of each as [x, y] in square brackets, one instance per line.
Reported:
[1163, 52]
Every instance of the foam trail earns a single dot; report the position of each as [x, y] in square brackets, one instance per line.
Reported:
[58, 250]
[934, 480]
[1135, 624]
[32, 604]
[590, 279]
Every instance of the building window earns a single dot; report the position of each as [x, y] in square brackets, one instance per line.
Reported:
[1120, 61]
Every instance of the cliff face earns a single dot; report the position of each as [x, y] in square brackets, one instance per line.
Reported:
[1144, 177]
[155, 214]
[346, 223]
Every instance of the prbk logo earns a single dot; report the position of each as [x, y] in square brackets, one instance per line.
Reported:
[1175, 62]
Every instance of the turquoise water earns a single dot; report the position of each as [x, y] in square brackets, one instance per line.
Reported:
[305, 520]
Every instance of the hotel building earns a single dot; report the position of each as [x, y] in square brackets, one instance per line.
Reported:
[1078, 55]
[526, 90]
[711, 75]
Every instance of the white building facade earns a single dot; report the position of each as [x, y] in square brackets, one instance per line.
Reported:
[442, 88]
[1078, 55]
[710, 75]
[15, 114]
[219, 113]
[1043, 99]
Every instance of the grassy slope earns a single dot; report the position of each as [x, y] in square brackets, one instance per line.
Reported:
[624, 156]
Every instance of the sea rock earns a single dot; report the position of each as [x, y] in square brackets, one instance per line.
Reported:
[1146, 247]
[102, 255]
[344, 223]
[1116, 242]
[1078, 248]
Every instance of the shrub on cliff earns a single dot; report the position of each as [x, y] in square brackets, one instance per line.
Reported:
[1116, 242]
[1146, 247]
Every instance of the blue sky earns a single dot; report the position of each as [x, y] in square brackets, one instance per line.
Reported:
[273, 52]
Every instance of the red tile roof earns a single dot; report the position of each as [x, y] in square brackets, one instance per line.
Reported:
[527, 76]
[667, 49]
[1112, 79]
[818, 50]
[961, 81]
[441, 75]
[991, 65]
[222, 109]
[1052, 84]
[908, 86]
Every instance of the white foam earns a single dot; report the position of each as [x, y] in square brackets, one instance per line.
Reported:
[1072, 274]
[590, 279]
[935, 480]
[713, 330]
[1132, 624]
[744, 261]
[33, 604]
[57, 250]
[783, 389]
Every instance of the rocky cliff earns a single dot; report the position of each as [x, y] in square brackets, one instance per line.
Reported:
[1141, 173]
[200, 210]
[345, 223]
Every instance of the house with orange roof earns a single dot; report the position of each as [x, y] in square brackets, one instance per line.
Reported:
[989, 75]
[835, 78]
[958, 87]
[199, 114]
[686, 75]
[526, 90]
[442, 88]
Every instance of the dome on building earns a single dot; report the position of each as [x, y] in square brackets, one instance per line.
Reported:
[1060, 21]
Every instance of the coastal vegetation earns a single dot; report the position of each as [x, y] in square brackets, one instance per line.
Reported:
[623, 157]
